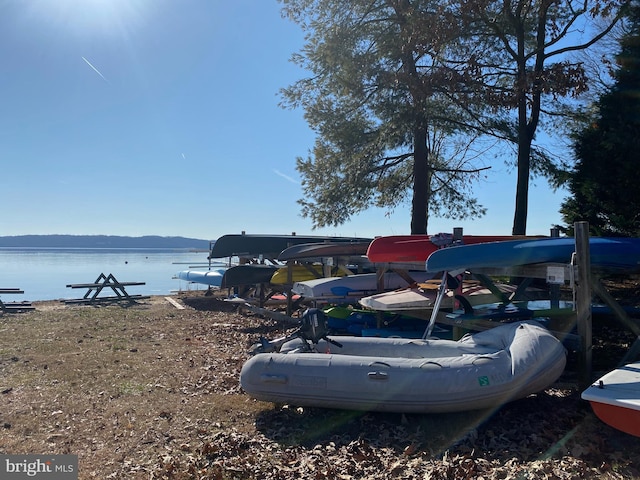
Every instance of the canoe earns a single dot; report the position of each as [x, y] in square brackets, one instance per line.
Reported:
[618, 254]
[417, 248]
[268, 245]
[212, 278]
[356, 286]
[324, 249]
[424, 297]
[249, 274]
[483, 370]
[615, 398]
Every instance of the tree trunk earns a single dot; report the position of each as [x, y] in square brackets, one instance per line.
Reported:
[524, 140]
[421, 183]
[522, 185]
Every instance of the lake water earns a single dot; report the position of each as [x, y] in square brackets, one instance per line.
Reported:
[44, 273]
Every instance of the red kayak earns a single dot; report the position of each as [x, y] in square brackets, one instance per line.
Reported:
[417, 248]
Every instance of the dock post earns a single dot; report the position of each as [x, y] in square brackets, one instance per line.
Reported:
[583, 303]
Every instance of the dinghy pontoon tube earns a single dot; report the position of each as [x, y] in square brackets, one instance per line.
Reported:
[479, 371]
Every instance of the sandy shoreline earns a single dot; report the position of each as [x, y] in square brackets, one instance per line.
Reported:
[62, 302]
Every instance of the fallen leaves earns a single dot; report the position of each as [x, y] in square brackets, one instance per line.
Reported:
[152, 393]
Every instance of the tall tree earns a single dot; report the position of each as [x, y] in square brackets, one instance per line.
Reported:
[604, 183]
[389, 74]
[522, 48]
[374, 99]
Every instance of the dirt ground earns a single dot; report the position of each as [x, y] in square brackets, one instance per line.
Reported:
[151, 391]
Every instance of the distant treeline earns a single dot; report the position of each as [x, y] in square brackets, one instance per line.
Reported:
[102, 241]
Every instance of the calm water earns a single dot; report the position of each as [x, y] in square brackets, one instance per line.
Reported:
[44, 273]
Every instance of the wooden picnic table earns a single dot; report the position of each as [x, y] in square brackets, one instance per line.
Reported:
[13, 307]
[109, 282]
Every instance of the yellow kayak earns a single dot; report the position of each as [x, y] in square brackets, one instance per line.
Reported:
[302, 273]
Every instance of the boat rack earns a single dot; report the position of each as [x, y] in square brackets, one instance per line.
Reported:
[585, 281]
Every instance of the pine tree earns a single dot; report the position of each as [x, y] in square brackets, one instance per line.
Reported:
[604, 183]
[408, 98]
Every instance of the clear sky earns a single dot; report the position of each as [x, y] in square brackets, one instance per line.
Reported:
[161, 117]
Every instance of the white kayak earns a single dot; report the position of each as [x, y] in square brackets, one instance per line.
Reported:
[479, 371]
[212, 278]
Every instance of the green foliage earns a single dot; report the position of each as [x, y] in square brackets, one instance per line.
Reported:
[604, 183]
[522, 50]
[396, 86]
[376, 80]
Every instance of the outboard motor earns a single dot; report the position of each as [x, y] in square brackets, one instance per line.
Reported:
[313, 328]
[313, 325]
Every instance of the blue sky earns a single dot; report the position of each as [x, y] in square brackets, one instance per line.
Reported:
[161, 117]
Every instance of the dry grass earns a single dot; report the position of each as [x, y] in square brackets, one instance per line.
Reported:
[151, 392]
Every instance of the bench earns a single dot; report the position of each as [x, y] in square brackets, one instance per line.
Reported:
[14, 307]
[103, 281]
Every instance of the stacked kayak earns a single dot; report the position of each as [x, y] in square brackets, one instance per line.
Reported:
[249, 274]
[417, 248]
[615, 254]
[355, 286]
[301, 273]
[212, 278]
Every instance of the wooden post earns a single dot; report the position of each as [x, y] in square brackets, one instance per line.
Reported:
[583, 303]
[554, 288]
[289, 285]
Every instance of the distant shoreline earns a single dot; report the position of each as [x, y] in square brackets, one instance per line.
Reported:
[102, 241]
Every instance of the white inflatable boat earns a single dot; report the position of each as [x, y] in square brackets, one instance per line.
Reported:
[479, 371]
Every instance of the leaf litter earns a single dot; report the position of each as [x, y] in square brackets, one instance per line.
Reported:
[151, 392]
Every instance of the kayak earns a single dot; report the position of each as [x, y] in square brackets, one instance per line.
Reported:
[212, 278]
[417, 248]
[613, 253]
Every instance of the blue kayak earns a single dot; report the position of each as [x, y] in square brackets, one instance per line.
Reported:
[620, 254]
